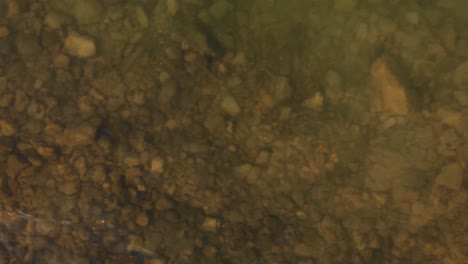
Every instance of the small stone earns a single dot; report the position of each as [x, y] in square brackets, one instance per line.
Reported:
[210, 224]
[163, 204]
[460, 76]
[461, 97]
[80, 46]
[36, 109]
[413, 178]
[345, 5]
[390, 95]
[52, 20]
[281, 89]
[333, 86]
[157, 165]
[6, 128]
[220, 8]
[172, 7]
[389, 122]
[141, 17]
[448, 35]
[285, 113]
[412, 17]
[38, 84]
[4, 31]
[215, 124]
[263, 157]
[164, 77]
[61, 61]
[314, 103]
[239, 60]
[303, 250]
[135, 244]
[46, 152]
[451, 176]
[142, 219]
[21, 100]
[69, 188]
[82, 134]
[87, 11]
[3, 83]
[168, 90]
[453, 118]
[27, 44]
[157, 261]
[209, 251]
[230, 106]
[14, 165]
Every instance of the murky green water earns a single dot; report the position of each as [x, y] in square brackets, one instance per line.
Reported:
[220, 131]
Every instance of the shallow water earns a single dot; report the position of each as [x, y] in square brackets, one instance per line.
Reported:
[265, 131]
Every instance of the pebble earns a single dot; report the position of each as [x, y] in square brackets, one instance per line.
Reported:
[80, 46]
[345, 5]
[172, 7]
[412, 17]
[460, 76]
[390, 95]
[27, 44]
[87, 11]
[52, 20]
[69, 188]
[46, 152]
[262, 158]
[61, 61]
[157, 165]
[220, 8]
[304, 250]
[141, 17]
[314, 103]
[21, 100]
[333, 86]
[142, 219]
[209, 251]
[281, 89]
[14, 165]
[6, 128]
[451, 176]
[210, 224]
[230, 106]
[163, 204]
[4, 31]
[168, 90]
[461, 97]
[164, 77]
